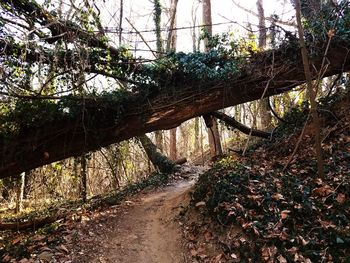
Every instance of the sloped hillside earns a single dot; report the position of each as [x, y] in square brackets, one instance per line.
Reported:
[248, 209]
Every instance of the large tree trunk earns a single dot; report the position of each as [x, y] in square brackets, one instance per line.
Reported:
[160, 161]
[213, 130]
[29, 148]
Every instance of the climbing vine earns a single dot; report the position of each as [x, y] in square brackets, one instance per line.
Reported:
[227, 58]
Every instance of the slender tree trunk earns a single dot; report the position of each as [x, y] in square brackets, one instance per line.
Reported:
[159, 140]
[121, 13]
[83, 178]
[207, 21]
[27, 176]
[196, 135]
[19, 193]
[265, 115]
[213, 131]
[157, 14]
[312, 91]
[171, 46]
[172, 36]
[173, 148]
[112, 167]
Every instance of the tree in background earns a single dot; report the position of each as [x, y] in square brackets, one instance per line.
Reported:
[265, 115]
[312, 90]
[211, 122]
[171, 47]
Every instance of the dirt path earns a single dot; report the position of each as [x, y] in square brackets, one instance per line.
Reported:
[143, 229]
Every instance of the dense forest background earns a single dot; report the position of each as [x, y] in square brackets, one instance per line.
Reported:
[82, 62]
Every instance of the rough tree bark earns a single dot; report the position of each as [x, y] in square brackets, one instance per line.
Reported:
[157, 15]
[105, 123]
[239, 126]
[171, 46]
[55, 140]
[312, 89]
[83, 177]
[19, 193]
[160, 161]
[212, 125]
[265, 115]
[121, 14]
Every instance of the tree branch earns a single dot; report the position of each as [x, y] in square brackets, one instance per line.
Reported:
[239, 126]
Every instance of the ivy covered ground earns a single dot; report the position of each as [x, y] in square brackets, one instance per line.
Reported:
[256, 212]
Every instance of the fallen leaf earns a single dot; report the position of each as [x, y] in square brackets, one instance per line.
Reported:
[217, 259]
[45, 256]
[16, 241]
[293, 250]
[285, 214]
[201, 203]
[191, 237]
[234, 256]
[331, 33]
[6, 258]
[193, 252]
[277, 196]
[341, 198]
[323, 191]
[63, 249]
[303, 241]
[268, 253]
[281, 259]
[326, 224]
[208, 236]
[246, 225]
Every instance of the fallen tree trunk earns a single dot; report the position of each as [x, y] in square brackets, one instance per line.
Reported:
[34, 224]
[239, 126]
[159, 160]
[181, 161]
[101, 123]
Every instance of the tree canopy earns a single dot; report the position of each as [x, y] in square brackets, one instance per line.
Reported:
[50, 112]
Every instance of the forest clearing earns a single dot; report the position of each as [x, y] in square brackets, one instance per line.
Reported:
[161, 131]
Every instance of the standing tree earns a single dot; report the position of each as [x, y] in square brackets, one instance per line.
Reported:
[83, 177]
[264, 103]
[157, 15]
[312, 90]
[171, 46]
[211, 123]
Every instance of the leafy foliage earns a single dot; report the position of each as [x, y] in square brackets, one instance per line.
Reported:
[292, 215]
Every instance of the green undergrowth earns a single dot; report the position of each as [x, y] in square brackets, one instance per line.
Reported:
[292, 215]
[96, 202]
[295, 119]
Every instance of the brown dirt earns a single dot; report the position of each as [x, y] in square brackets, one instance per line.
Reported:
[143, 229]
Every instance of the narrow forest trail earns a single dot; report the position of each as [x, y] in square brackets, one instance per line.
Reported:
[143, 229]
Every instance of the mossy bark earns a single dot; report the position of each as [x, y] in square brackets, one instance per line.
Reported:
[160, 161]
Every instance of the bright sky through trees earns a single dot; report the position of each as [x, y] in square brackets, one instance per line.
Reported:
[140, 13]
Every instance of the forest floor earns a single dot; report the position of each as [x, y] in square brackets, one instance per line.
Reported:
[142, 229]
[242, 209]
